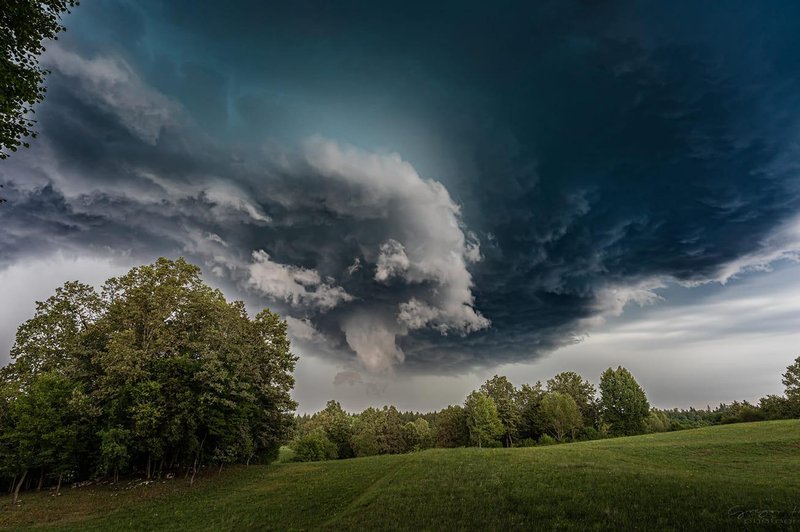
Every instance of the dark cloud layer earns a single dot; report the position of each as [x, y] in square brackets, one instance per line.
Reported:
[582, 154]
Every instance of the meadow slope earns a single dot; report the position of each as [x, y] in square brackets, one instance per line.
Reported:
[725, 477]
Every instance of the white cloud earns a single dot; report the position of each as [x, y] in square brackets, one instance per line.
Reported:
[425, 244]
[303, 330]
[372, 337]
[293, 284]
[392, 261]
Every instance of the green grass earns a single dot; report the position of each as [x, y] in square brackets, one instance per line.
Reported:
[285, 454]
[743, 476]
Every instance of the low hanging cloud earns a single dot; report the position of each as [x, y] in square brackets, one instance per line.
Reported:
[293, 284]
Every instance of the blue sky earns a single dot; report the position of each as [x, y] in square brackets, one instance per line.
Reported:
[434, 193]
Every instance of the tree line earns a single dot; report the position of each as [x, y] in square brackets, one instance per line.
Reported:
[155, 373]
[566, 408]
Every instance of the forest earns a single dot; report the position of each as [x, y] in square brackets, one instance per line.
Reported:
[154, 374]
[566, 408]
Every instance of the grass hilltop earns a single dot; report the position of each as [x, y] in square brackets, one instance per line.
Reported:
[722, 477]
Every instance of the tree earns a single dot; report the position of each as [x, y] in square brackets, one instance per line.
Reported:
[338, 426]
[483, 422]
[657, 421]
[623, 403]
[158, 370]
[561, 414]
[581, 390]
[775, 407]
[529, 399]
[791, 380]
[505, 399]
[450, 427]
[24, 27]
[314, 446]
[379, 432]
[41, 432]
[417, 434]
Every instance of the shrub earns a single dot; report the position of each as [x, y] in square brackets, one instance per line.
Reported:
[313, 447]
[591, 433]
[546, 439]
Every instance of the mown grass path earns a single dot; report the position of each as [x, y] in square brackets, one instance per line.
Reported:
[730, 477]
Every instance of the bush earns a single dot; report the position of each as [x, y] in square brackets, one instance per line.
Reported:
[527, 442]
[313, 447]
[775, 407]
[546, 439]
[591, 433]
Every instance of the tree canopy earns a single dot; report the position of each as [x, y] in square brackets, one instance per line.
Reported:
[483, 422]
[504, 396]
[155, 371]
[561, 414]
[624, 406]
[25, 25]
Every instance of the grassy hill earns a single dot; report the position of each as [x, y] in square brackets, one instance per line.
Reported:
[733, 476]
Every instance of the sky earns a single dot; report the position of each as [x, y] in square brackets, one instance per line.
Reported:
[435, 193]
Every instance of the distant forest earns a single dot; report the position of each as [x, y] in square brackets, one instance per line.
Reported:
[566, 408]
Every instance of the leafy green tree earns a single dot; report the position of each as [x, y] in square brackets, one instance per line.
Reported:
[417, 434]
[365, 433]
[623, 403]
[379, 432]
[529, 400]
[337, 424]
[581, 390]
[41, 433]
[158, 370]
[741, 412]
[505, 399]
[483, 422]
[791, 380]
[775, 407]
[314, 446]
[52, 339]
[25, 25]
[114, 451]
[657, 421]
[450, 427]
[561, 414]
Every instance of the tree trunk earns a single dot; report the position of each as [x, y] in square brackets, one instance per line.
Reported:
[160, 466]
[41, 480]
[148, 466]
[58, 488]
[196, 458]
[19, 485]
[194, 472]
[12, 484]
[220, 468]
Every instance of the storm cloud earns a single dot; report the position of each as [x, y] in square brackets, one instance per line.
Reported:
[419, 189]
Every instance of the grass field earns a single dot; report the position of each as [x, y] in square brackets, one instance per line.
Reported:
[743, 476]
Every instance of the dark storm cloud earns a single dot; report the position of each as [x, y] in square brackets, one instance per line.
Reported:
[596, 150]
